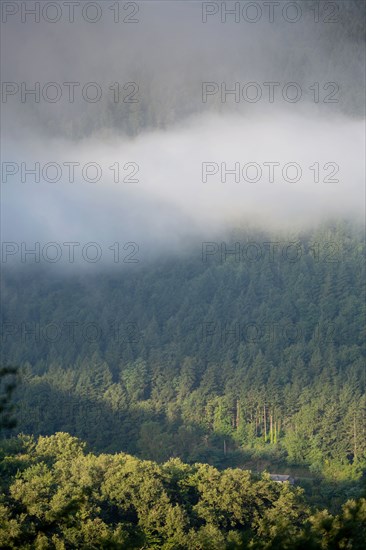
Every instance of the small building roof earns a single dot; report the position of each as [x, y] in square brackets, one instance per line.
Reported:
[281, 477]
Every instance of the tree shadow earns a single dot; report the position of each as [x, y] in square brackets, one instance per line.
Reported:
[41, 409]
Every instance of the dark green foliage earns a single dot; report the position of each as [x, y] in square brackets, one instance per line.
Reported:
[227, 362]
[7, 387]
[220, 363]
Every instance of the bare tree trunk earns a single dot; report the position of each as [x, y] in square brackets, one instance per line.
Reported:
[265, 422]
[271, 428]
[275, 432]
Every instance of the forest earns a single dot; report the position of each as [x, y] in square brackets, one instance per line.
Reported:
[55, 495]
[199, 383]
[202, 373]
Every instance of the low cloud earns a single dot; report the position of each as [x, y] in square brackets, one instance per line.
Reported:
[201, 166]
[292, 169]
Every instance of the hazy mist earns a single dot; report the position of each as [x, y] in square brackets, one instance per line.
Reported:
[170, 137]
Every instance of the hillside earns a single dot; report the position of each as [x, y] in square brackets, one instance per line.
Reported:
[236, 360]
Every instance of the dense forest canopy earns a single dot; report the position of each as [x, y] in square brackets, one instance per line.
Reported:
[226, 358]
[65, 498]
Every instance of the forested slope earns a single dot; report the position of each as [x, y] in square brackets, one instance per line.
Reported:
[207, 357]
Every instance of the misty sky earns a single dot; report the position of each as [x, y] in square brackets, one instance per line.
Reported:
[172, 141]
